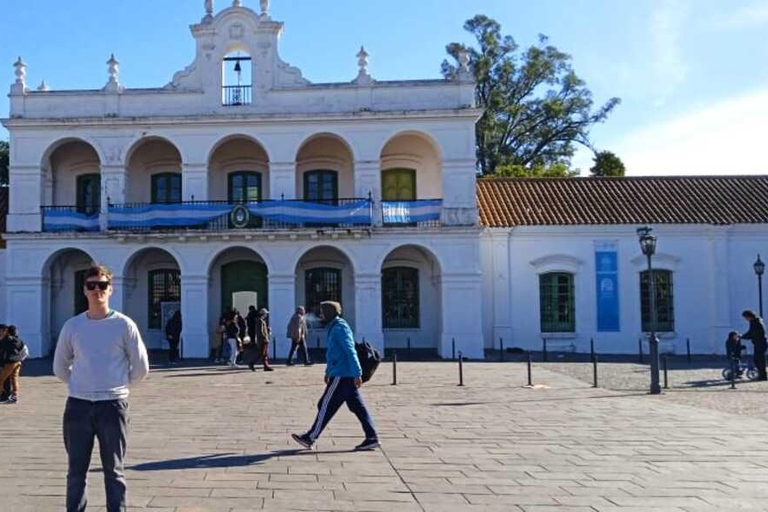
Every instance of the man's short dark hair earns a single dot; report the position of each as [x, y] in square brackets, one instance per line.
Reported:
[748, 313]
[97, 270]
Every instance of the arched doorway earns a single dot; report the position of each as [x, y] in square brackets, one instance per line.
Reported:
[411, 299]
[152, 293]
[65, 276]
[325, 273]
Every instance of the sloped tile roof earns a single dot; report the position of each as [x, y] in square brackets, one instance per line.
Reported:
[722, 200]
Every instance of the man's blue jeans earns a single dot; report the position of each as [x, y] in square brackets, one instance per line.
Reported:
[108, 422]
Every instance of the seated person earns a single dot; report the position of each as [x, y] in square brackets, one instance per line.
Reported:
[733, 349]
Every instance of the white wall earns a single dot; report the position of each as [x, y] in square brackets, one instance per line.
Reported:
[713, 282]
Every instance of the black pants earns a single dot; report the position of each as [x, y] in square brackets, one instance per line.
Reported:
[301, 345]
[759, 358]
[107, 421]
[173, 354]
[338, 391]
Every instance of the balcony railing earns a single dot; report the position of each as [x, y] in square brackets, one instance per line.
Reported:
[69, 218]
[234, 95]
[420, 213]
[225, 215]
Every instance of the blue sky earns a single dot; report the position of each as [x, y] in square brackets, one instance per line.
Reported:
[692, 74]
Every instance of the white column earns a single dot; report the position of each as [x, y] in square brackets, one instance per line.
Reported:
[194, 316]
[368, 312]
[113, 180]
[117, 300]
[27, 300]
[368, 181]
[282, 180]
[459, 203]
[194, 182]
[501, 290]
[27, 183]
[719, 284]
[282, 303]
[462, 315]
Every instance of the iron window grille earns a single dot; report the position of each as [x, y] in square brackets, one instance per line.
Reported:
[400, 298]
[665, 307]
[558, 304]
[321, 284]
[164, 286]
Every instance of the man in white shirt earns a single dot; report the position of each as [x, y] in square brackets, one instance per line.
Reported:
[100, 354]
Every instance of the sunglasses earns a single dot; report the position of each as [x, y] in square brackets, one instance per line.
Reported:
[92, 285]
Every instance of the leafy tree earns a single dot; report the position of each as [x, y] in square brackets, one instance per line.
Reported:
[607, 164]
[559, 170]
[4, 162]
[536, 108]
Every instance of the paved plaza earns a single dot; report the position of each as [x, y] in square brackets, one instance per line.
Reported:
[208, 438]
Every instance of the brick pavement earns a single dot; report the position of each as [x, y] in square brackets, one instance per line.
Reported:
[207, 438]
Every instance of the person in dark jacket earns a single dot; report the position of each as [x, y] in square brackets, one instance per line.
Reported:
[756, 333]
[733, 350]
[297, 333]
[231, 333]
[11, 355]
[173, 335]
[250, 323]
[261, 347]
[343, 378]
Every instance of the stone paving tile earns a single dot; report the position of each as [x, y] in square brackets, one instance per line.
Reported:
[492, 445]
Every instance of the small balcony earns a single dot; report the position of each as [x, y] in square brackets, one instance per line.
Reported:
[224, 215]
[234, 95]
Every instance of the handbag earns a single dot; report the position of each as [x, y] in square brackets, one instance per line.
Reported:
[369, 357]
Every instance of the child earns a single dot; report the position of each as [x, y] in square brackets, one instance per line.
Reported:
[733, 349]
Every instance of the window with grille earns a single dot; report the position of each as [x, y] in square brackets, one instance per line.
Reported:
[558, 304]
[398, 185]
[81, 301]
[400, 298]
[321, 284]
[244, 186]
[665, 307]
[321, 186]
[88, 194]
[164, 286]
[166, 188]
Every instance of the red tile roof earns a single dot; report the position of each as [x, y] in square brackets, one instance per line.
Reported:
[721, 200]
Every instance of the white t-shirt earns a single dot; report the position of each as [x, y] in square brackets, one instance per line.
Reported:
[100, 359]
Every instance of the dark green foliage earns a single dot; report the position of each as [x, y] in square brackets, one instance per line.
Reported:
[607, 164]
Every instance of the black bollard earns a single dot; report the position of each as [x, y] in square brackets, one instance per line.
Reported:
[688, 348]
[453, 348]
[501, 349]
[394, 368]
[274, 349]
[666, 377]
[530, 372]
[544, 351]
[640, 350]
[733, 373]
[592, 347]
[594, 370]
[461, 369]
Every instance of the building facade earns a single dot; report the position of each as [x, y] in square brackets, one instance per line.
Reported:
[239, 183]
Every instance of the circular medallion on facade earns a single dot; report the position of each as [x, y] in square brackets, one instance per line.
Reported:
[240, 216]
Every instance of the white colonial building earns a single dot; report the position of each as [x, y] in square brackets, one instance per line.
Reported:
[240, 182]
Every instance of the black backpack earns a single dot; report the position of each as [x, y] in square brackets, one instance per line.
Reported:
[369, 357]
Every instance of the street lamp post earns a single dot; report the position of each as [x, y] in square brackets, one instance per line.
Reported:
[648, 246]
[760, 270]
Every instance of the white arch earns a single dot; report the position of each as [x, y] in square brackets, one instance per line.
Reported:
[429, 138]
[341, 250]
[129, 260]
[54, 255]
[140, 141]
[234, 136]
[427, 250]
[56, 144]
[212, 260]
[326, 133]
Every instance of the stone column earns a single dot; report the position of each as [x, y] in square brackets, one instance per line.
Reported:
[194, 182]
[282, 180]
[282, 303]
[459, 203]
[28, 309]
[368, 324]
[462, 315]
[27, 183]
[113, 180]
[368, 181]
[194, 316]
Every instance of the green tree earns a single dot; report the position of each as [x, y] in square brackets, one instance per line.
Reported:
[536, 108]
[559, 170]
[607, 164]
[4, 162]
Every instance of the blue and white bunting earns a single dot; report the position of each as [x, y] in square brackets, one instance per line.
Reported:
[408, 212]
[67, 220]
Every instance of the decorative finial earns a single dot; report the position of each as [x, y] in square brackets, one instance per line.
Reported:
[114, 71]
[465, 73]
[265, 9]
[363, 77]
[208, 8]
[43, 87]
[237, 3]
[21, 72]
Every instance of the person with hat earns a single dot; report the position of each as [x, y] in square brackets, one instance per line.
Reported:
[343, 378]
[262, 342]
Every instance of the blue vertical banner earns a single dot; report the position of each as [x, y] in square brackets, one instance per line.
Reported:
[607, 279]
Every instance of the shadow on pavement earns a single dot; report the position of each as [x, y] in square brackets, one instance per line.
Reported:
[223, 460]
